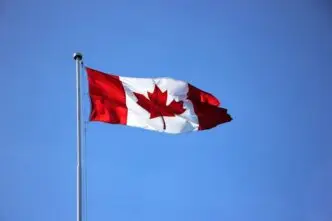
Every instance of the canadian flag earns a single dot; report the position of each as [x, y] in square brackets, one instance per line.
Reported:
[160, 104]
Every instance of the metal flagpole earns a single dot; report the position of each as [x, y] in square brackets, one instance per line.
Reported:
[78, 58]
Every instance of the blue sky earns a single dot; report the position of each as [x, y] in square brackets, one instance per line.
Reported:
[269, 62]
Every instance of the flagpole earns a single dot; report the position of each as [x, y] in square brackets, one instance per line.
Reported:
[78, 58]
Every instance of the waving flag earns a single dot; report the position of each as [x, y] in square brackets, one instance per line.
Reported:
[160, 104]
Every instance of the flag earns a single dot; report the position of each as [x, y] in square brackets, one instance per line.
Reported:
[159, 104]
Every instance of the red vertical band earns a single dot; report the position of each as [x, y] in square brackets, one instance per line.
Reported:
[108, 98]
[206, 108]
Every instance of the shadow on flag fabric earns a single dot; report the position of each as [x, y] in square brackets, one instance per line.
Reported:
[159, 104]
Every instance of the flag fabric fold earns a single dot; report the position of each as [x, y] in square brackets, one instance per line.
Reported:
[159, 104]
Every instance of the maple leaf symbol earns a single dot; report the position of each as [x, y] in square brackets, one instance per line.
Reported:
[156, 104]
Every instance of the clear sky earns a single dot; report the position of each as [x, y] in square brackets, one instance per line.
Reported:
[269, 62]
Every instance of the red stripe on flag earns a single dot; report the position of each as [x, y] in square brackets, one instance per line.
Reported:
[108, 98]
[206, 108]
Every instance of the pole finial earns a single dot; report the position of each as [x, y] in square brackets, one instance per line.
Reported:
[77, 56]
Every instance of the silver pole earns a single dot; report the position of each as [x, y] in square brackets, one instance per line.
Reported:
[78, 58]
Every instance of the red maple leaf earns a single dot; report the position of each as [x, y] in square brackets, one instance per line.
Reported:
[156, 104]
